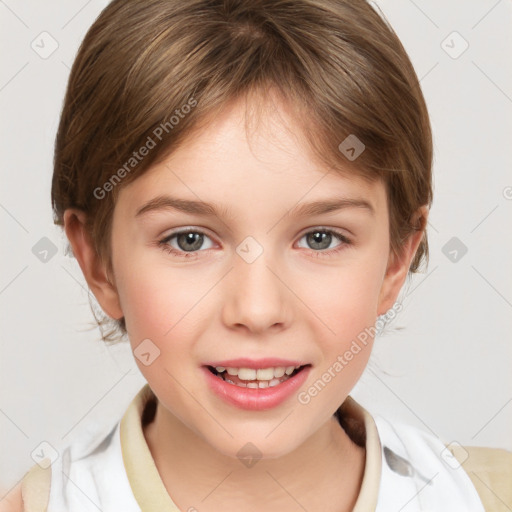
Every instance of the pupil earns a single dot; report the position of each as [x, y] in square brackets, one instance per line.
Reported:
[318, 239]
[188, 238]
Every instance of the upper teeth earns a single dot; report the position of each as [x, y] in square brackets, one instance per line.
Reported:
[260, 373]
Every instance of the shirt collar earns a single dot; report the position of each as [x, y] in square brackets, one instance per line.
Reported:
[152, 496]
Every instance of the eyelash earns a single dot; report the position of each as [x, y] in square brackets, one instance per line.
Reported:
[163, 243]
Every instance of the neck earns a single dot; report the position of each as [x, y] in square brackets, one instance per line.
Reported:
[324, 473]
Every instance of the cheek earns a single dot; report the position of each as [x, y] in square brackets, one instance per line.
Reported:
[346, 298]
[344, 306]
[344, 303]
[160, 303]
[158, 310]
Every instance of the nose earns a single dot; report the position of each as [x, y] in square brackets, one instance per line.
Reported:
[256, 297]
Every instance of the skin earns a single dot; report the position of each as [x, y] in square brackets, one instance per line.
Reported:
[291, 302]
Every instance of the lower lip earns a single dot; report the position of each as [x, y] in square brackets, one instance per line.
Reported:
[255, 399]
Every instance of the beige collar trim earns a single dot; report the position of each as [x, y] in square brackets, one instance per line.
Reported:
[364, 423]
[145, 481]
[152, 496]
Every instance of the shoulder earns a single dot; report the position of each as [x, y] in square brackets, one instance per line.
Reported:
[12, 502]
[31, 493]
[34, 492]
[490, 471]
[426, 460]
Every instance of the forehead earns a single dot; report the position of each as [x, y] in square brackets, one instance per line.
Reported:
[238, 162]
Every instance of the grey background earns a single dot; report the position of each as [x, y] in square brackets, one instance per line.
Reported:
[447, 371]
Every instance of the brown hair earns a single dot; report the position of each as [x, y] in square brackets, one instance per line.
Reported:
[165, 66]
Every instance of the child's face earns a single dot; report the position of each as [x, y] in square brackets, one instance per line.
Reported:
[301, 299]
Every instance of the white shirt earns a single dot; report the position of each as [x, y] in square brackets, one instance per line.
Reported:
[406, 470]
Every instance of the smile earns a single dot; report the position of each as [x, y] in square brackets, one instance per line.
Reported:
[255, 378]
[256, 388]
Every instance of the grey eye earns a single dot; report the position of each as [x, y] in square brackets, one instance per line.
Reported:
[321, 239]
[189, 241]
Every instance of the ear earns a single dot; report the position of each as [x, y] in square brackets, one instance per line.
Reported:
[398, 265]
[94, 271]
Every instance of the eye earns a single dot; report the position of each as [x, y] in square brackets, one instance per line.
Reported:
[188, 242]
[321, 238]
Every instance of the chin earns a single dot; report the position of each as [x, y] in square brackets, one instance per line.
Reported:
[249, 449]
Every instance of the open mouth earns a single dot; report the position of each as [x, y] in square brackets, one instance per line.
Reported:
[256, 379]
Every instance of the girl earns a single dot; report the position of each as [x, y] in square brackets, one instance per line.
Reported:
[246, 185]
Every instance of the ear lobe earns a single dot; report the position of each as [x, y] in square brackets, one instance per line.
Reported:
[94, 271]
[398, 265]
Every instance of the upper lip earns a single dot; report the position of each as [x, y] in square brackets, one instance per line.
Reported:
[267, 362]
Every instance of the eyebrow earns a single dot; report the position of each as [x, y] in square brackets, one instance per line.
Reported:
[206, 209]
